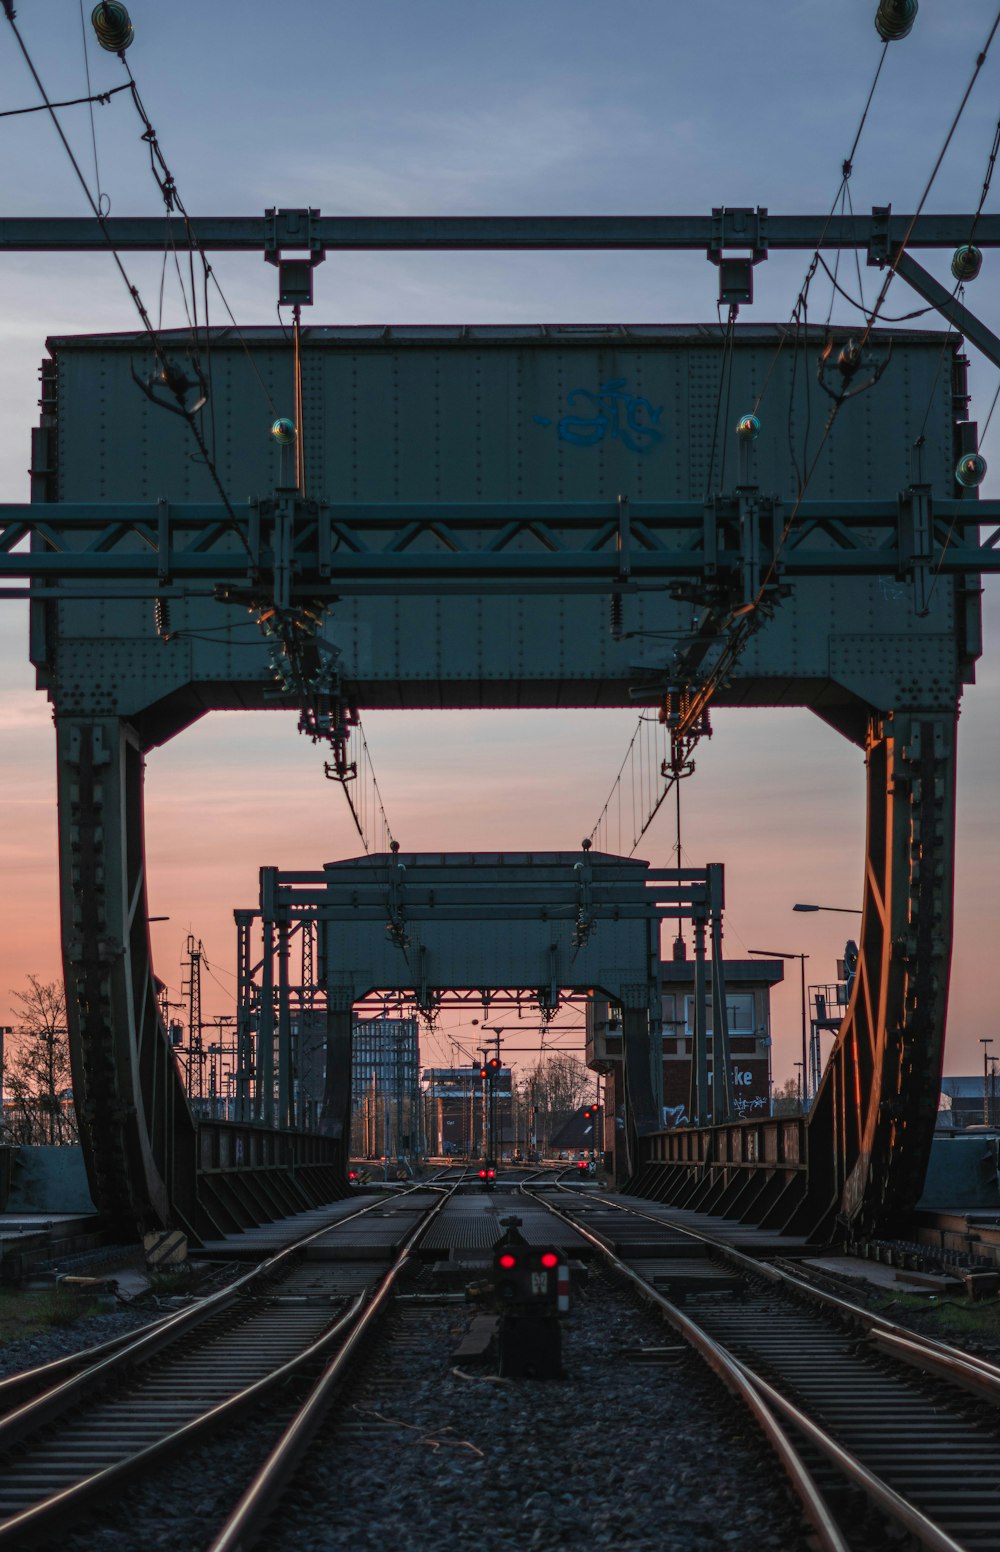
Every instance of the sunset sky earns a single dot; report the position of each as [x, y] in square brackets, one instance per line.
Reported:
[431, 107]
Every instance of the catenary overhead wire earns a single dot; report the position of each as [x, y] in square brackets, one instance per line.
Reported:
[71, 102]
[751, 614]
[93, 125]
[893, 266]
[847, 167]
[133, 290]
[170, 194]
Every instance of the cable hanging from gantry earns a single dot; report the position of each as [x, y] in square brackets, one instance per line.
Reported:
[686, 703]
[654, 756]
[749, 617]
[177, 384]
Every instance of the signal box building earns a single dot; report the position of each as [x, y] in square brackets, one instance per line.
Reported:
[748, 1011]
[748, 1008]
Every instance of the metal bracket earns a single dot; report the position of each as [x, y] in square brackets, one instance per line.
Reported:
[878, 238]
[293, 229]
[914, 528]
[739, 226]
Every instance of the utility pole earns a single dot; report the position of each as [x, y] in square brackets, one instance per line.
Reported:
[984, 1041]
[196, 1077]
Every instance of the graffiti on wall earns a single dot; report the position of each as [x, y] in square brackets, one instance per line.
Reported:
[608, 413]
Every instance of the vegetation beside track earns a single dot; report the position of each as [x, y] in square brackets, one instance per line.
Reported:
[27, 1311]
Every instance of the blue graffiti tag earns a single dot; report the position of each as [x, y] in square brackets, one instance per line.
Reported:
[622, 416]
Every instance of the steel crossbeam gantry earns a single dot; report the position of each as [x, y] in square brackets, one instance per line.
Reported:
[333, 549]
[425, 924]
[730, 227]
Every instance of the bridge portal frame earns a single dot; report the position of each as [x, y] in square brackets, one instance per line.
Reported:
[899, 1000]
[425, 925]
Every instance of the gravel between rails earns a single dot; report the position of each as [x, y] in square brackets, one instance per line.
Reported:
[619, 1453]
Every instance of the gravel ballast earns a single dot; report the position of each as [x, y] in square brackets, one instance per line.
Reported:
[619, 1453]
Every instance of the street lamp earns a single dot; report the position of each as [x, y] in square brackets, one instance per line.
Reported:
[984, 1041]
[845, 910]
[767, 953]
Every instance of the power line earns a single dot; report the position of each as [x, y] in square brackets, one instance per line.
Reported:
[169, 377]
[71, 102]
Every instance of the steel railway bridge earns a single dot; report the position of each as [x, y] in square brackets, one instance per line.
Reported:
[484, 505]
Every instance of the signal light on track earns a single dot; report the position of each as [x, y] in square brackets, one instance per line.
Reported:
[508, 1262]
[549, 1259]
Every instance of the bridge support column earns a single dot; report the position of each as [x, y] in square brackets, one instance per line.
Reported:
[871, 1126]
[335, 1120]
[136, 1127]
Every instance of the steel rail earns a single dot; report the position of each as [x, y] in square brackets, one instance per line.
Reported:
[27, 1525]
[967, 1368]
[112, 1358]
[731, 1372]
[961, 1370]
[891, 1503]
[248, 1520]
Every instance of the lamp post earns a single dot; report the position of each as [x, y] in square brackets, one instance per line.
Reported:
[984, 1041]
[767, 953]
[845, 910]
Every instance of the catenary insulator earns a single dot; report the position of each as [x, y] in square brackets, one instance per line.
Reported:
[161, 617]
[966, 262]
[894, 18]
[970, 470]
[748, 428]
[113, 26]
[849, 359]
[616, 614]
[283, 431]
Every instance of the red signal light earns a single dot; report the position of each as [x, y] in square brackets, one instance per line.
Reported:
[507, 1261]
[491, 1174]
[482, 1174]
[549, 1259]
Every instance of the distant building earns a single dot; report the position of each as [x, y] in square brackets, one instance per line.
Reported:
[385, 1088]
[748, 1014]
[454, 1106]
[966, 1103]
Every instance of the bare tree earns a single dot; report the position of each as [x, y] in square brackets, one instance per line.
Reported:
[555, 1088]
[787, 1099]
[38, 1080]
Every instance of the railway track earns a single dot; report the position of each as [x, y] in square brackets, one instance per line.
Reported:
[872, 1423]
[851, 1402]
[161, 1391]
